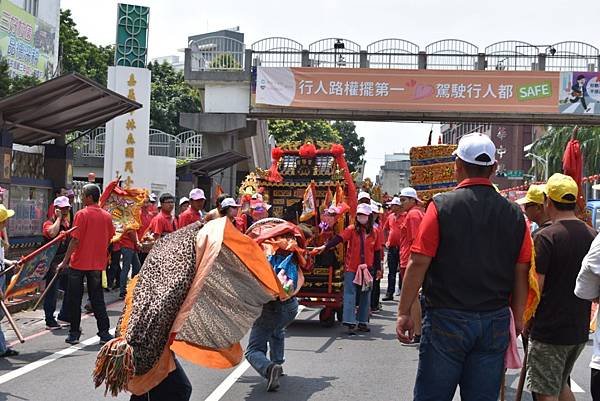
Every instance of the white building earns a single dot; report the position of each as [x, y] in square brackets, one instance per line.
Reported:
[29, 32]
[176, 61]
[395, 173]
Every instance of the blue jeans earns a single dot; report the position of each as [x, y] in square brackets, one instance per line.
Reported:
[351, 291]
[462, 348]
[130, 260]
[51, 295]
[270, 328]
[393, 261]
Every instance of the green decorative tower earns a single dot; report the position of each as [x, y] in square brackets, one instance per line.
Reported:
[132, 36]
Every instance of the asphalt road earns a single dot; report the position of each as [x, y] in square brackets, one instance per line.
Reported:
[322, 364]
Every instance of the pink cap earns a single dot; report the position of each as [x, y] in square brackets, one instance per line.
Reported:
[62, 201]
[197, 194]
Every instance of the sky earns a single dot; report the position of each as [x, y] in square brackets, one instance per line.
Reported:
[481, 22]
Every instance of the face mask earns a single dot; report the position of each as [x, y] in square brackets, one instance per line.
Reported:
[362, 219]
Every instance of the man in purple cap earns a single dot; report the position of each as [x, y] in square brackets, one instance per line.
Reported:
[194, 212]
[51, 229]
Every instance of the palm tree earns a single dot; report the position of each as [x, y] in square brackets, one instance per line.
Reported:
[553, 146]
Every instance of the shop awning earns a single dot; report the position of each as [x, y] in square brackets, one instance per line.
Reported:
[71, 102]
[220, 161]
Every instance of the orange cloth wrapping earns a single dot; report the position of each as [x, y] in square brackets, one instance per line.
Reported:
[199, 293]
[534, 295]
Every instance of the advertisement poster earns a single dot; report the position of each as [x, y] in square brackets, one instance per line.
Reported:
[26, 42]
[579, 92]
[408, 90]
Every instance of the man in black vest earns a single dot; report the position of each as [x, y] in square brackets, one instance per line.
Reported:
[471, 257]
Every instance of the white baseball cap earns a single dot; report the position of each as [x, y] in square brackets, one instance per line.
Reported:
[183, 200]
[364, 208]
[229, 202]
[62, 201]
[395, 201]
[374, 208]
[153, 197]
[364, 195]
[409, 193]
[476, 148]
[197, 194]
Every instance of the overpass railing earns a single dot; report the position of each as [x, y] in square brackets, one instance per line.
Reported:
[225, 54]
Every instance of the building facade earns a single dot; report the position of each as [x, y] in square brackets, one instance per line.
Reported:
[514, 168]
[395, 173]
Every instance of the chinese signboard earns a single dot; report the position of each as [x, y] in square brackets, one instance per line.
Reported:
[514, 174]
[420, 90]
[27, 43]
[127, 138]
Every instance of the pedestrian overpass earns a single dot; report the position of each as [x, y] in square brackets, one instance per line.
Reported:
[448, 80]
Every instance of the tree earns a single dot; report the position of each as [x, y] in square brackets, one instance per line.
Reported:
[170, 96]
[80, 55]
[225, 61]
[354, 144]
[301, 131]
[10, 86]
[553, 146]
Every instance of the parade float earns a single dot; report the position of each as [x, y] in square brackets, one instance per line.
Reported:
[310, 185]
[432, 170]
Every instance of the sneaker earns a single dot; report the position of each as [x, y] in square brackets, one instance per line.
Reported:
[73, 338]
[63, 323]
[53, 325]
[363, 328]
[351, 329]
[9, 352]
[388, 298]
[121, 296]
[104, 338]
[273, 374]
[88, 308]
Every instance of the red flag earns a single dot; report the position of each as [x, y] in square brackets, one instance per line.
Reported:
[573, 166]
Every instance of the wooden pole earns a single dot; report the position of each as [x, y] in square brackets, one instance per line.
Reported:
[37, 304]
[11, 321]
[523, 370]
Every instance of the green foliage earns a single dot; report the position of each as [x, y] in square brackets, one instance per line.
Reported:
[80, 55]
[354, 145]
[303, 130]
[225, 61]
[553, 145]
[10, 86]
[170, 96]
[343, 132]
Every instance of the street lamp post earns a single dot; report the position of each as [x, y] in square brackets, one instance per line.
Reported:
[542, 160]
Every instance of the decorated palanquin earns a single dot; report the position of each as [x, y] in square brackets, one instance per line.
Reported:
[315, 174]
[124, 206]
[432, 170]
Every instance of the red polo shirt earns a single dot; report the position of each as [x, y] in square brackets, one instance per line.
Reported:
[146, 218]
[372, 244]
[163, 224]
[428, 238]
[408, 233]
[95, 230]
[188, 217]
[393, 224]
[126, 241]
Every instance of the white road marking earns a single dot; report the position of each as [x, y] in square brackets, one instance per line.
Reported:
[233, 377]
[49, 359]
[575, 387]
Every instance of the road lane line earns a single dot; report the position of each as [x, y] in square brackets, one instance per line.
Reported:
[49, 359]
[233, 377]
[575, 387]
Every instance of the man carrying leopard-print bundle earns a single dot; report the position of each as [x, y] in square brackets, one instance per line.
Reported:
[176, 305]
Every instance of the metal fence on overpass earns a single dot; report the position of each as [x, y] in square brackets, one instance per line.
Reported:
[226, 54]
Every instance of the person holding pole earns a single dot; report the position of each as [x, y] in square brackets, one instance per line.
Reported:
[51, 229]
[86, 257]
[5, 214]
